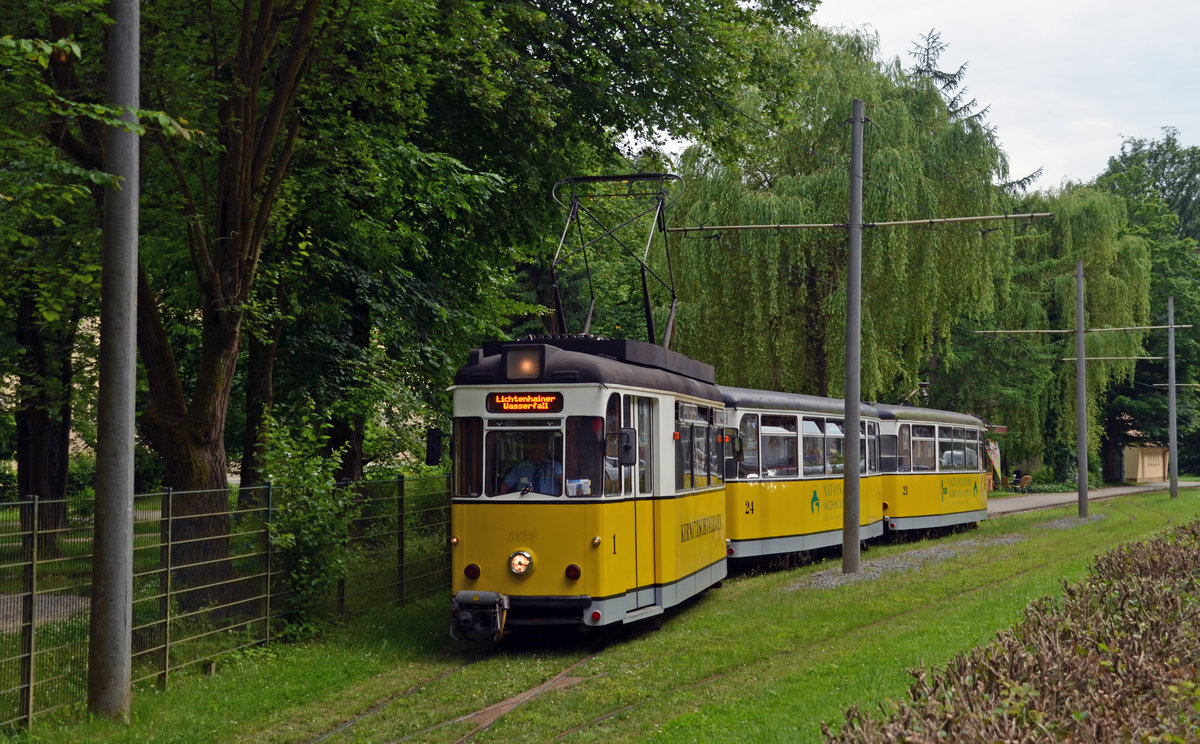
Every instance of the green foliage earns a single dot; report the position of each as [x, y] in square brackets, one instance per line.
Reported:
[922, 159]
[1091, 667]
[1158, 197]
[310, 518]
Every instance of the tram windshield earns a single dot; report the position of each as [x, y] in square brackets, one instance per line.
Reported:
[525, 461]
[522, 461]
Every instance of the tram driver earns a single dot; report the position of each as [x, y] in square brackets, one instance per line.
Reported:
[538, 471]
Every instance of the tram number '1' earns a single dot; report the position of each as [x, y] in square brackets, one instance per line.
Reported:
[614, 543]
[749, 507]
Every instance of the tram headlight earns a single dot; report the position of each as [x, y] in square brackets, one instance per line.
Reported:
[520, 563]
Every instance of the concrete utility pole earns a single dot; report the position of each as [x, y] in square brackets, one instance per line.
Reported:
[111, 640]
[1173, 443]
[850, 474]
[1081, 393]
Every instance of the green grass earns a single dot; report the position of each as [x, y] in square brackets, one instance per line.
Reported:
[763, 658]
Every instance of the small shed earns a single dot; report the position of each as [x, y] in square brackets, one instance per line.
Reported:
[1147, 463]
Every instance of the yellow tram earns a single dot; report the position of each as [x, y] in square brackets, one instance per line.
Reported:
[784, 491]
[933, 464]
[587, 484]
[600, 481]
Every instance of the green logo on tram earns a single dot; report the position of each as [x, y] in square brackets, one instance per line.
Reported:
[815, 506]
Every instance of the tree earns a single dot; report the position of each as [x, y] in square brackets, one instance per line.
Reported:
[1137, 409]
[922, 160]
[49, 243]
[1171, 170]
[1022, 381]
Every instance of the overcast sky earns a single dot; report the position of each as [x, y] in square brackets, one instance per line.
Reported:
[1066, 80]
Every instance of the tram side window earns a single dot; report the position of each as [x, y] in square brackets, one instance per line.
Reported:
[960, 446]
[887, 453]
[863, 448]
[813, 430]
[748, 462]
[945, 448]
[904, 449]
[525, 461]
[612, 427]
[683, 456]
[645, 413]
[873, 443]
[699, 456]
[468, 456]
[835, 447]
[924, 447]
[716, 455]
[627, 471]
[585, 454]
[973, 455]
[780, 445]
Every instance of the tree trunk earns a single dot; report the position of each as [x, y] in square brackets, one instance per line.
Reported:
[348, 432]
[260, 395]
[191, 441]
[43, 420]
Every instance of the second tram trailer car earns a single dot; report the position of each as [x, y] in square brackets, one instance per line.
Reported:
[587, 484]
[933, 464]
[784, 492]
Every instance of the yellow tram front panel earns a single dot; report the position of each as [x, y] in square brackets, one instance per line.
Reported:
[597, 536]
[631, 555]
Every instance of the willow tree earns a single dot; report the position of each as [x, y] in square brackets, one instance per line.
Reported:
[777, 298]
[1023, 381]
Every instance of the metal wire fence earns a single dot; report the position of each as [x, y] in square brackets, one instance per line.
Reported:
[204, 582]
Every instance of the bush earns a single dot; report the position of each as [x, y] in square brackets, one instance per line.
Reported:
[312, 516]
[1113, 661]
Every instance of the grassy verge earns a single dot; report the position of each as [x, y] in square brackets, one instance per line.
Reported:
[766, 657]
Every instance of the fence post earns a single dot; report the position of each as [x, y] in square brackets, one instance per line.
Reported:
[400, 592]
[164, 587]
[267, 540]
[341, 585]
[29, 540]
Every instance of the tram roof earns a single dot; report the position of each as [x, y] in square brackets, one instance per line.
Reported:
[591, 359]
[736, 397]
[926, 415]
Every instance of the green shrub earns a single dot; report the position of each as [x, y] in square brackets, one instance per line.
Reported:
[311, 517]
[1114, 660]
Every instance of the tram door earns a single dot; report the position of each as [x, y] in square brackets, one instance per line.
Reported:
[635, 483]
[638, 414]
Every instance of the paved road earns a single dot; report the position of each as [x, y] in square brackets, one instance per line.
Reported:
[1008, 504]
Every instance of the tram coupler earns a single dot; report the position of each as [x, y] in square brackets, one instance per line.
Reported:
[478, 616]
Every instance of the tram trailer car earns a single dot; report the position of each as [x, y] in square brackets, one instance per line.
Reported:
[933, 463]
[587, 484]
[784, 492]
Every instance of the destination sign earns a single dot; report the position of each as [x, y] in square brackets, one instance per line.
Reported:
[524, 402]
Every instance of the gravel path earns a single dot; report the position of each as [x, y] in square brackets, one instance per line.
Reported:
[49, 608]
[870, 570]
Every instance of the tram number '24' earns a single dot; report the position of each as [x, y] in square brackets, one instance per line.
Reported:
[749, 507]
